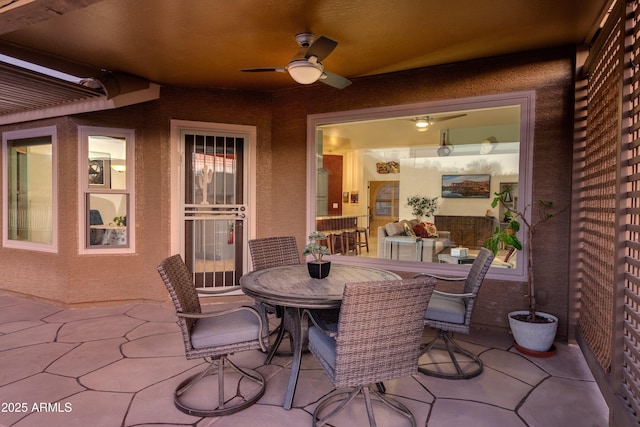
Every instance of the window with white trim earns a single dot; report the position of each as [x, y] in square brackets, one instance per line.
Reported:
[30, 189]
[106, 182]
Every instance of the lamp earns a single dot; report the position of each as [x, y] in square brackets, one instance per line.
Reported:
[507, 197]
[488, 145]
[444, 150]
[305, 71]
[422, 123]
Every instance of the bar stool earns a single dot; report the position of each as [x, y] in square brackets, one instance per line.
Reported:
[359, 244]
[337, 242]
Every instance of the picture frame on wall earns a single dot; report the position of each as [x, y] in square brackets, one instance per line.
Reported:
[99, 173]
[477, 186]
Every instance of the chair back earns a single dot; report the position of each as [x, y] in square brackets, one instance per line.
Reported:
[475, 278]
[379, 330]
[179, 282]
[270, 252]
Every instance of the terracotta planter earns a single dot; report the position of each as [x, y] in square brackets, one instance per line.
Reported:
[534, 336]
[319, 270]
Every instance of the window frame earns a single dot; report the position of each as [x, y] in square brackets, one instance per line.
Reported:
[50, 131]
[84, 190]
[525, 100]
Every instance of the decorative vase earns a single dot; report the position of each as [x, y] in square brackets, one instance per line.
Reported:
[538, 337]
[319, 270]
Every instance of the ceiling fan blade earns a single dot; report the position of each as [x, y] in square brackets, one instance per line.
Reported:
[263, 70]
[334, 80]
[321, 48]
[443, 118]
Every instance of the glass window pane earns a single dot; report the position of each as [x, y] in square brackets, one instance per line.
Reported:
[107, 163]
[389, 160]
[107, 218]
[30, 189]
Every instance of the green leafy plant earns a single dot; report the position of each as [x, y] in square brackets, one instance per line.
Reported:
[119, 220]
[508, 237]
[314, 248]
[423, 206]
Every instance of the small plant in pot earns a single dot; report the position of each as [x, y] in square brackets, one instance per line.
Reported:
[318, 269]
[533, 331]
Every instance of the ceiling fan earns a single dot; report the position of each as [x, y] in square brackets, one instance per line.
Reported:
[423, 122]
[306, 66]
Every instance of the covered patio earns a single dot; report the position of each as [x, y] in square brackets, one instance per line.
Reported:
[119, 365]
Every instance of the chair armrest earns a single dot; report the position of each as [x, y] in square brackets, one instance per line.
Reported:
[261, 334]
[224, 290]
[445, 278]
[452, 295]
[320, 324]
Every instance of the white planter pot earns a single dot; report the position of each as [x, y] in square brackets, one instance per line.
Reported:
[534, 336]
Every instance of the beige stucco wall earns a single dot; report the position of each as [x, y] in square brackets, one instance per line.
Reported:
[549, 73]
[280, 119]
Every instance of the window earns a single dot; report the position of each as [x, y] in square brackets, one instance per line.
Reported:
[461, 151]
[107, 196]
[30, 188]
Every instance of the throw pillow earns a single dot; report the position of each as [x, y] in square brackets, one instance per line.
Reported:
[431, 229]
[408, 230]
[419, 230]
[394, 229]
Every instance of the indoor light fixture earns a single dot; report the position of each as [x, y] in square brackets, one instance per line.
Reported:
[444, 150]
[305, 71]
[119, 168]
[422, 123]
[488, 145]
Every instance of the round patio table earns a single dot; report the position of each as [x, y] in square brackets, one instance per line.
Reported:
[291, 287]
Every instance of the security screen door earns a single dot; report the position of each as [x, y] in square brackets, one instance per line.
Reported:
[213, 207]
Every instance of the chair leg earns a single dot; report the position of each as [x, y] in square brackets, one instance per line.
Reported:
[367, 393]
[226, 405]
[453, 349]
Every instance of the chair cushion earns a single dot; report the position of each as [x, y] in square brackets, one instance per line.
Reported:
[445, 309]
[223, 330]
[324, 346]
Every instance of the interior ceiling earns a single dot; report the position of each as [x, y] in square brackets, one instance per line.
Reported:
[205, 43]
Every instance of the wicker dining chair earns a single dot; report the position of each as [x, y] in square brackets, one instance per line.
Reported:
[213, 335]
[270, 252]
[450, 313]
[377, 339]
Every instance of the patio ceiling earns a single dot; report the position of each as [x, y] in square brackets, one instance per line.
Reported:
[206, 44]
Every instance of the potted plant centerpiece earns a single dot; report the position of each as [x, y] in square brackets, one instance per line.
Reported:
[423, 206]
[318, 269]
[533, 331]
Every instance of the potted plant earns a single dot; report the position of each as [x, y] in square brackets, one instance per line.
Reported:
[318, 268]
[423, 206]
[533, 331]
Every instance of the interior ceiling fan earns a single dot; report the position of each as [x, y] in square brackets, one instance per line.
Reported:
[306, 66]
[423, 122]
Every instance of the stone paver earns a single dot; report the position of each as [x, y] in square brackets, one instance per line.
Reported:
[119, 366]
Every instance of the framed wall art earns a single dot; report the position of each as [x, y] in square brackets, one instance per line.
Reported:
[466, 186]
[99, 173]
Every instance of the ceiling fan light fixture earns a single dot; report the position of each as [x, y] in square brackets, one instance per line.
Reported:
[422, 123]
[304, 71]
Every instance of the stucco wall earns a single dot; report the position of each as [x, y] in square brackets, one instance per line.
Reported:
[280, 119]
[549, 73]
[71, 279]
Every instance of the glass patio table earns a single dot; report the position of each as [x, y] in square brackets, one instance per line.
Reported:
[292, 288]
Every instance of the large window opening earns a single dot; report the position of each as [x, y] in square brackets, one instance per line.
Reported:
[373, 169]
[30, 189]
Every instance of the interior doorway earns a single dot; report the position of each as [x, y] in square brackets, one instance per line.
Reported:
[384, 199]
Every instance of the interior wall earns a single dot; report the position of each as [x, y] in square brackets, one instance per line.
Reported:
[549, 73]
